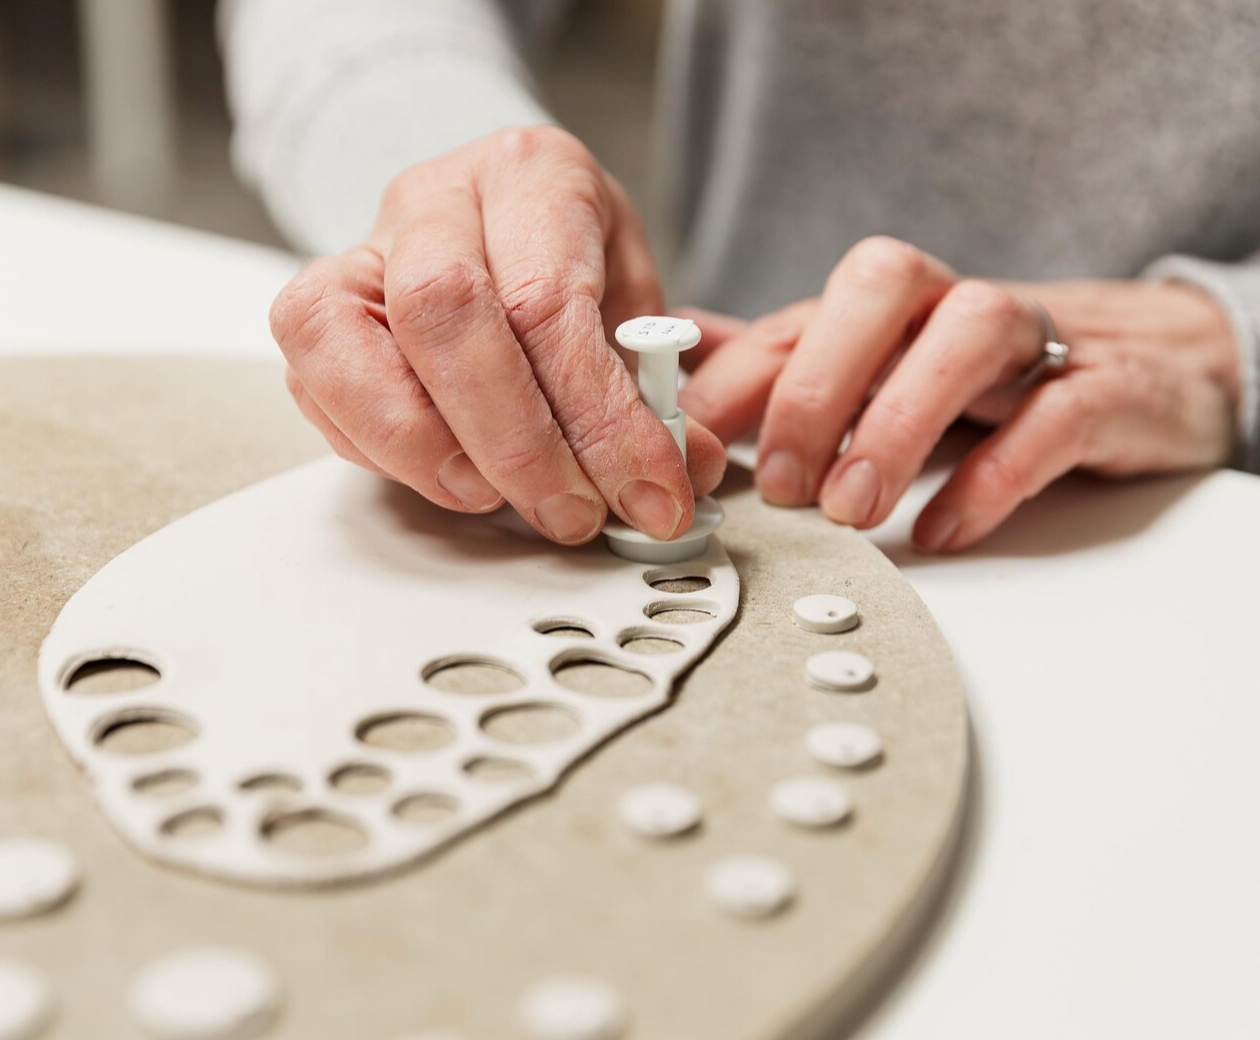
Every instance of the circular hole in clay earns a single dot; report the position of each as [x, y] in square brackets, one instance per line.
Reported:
[314, 832]
[426, 810]
[491, 770]
[111, 675]
[271, 782]
[530, 724]
[600, 678]
[647, 642]
[165, 784]
[677, 584]
[360, 778]
[471, 675]
[564, 628]
[143, 731]
[681, 613]
[406, 732]
[201, 822]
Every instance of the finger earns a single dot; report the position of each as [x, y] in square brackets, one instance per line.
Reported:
[547, 263]
[338, 441]
[979, 335]
[706, 458]
[1054, 431]
[875, 295]
[729, 390]
[715, 331]
[329, 323]
[448, 322]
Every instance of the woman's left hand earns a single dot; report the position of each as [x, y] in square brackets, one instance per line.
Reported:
[898, 348]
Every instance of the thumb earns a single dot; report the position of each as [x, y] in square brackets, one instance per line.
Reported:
[706, 458]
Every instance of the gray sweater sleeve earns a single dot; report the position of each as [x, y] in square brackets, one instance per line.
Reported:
[332, 99]
[1236, 287]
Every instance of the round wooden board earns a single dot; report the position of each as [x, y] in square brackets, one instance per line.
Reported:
[97, 453]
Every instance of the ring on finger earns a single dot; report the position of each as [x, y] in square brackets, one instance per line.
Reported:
[1054, 352]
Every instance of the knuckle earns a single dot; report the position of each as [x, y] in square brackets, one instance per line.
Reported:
[598, 421]
[303, 311]
[517, 458]
[1071, 409]
[900, 422]
[1002, 477]
[435, 296]
[409, 444]
[876, 261]
[804, 400]
[1066, 407]
[399, 435]
[595, 425]
[984, 302]
[547, 296]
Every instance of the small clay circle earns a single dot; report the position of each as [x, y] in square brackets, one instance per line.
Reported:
[750, 886]
[206, 993]
[573, 1009]
[660, 810]
[811, 801]
[840, 670]
[35, 877]
[846, 745]
[824, 613]
[26, 1002]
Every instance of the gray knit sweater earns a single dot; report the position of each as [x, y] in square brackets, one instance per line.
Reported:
[1012, 138]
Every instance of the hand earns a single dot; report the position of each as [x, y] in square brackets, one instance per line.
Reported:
[463, 348]
[898, 348]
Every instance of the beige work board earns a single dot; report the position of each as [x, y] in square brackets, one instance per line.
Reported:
[97, 453]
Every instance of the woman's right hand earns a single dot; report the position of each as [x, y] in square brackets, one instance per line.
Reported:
[463, 349]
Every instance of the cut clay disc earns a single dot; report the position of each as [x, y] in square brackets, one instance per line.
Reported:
[26, 1002]
[811, 801]
[845, 745]
[206, 993]
[573, 1009]
[825, 613]
[35, 876]
[750, 886]
[840, 670]
[660, 810]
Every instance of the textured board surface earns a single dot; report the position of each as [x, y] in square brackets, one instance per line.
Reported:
[96, 454]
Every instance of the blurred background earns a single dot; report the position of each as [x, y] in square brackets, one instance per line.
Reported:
[121, 103]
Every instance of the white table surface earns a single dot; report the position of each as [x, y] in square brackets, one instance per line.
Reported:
[1108, 638]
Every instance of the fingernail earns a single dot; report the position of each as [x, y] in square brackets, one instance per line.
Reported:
[935, 530]
[459, 477]
[781, 479]
[569, 519]
[851, 500]
[651, 508]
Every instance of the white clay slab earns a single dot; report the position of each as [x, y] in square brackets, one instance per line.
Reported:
[300, 624]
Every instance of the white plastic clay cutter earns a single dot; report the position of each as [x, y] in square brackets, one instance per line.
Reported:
[658, 341]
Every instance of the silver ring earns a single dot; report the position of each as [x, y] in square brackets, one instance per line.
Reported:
[1054, 352]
